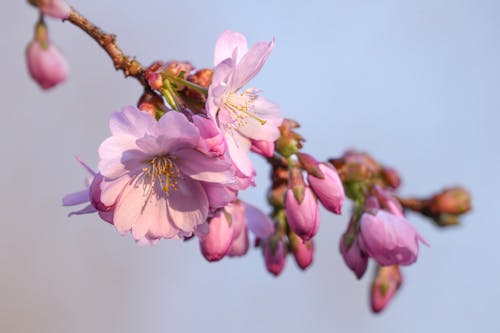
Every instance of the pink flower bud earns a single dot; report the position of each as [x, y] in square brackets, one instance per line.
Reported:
[387, 282]
[389, 239]
[354, 258]
[46, 65]
[54, 8]
[303, 252]
[329, 189]
[274, 255]
[241, 241]
[262, 147]
[216, 243]
[303, 217]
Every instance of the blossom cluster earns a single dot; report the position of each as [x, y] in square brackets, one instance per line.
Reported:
[175, 164]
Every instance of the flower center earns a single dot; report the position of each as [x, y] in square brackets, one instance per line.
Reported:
[241, 106]
[162, 169]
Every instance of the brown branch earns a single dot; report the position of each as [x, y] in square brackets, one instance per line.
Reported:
[129, 65]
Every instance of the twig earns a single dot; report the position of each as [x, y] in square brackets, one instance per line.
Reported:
[129, 65]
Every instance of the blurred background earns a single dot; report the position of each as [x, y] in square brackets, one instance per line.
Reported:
[415, 83]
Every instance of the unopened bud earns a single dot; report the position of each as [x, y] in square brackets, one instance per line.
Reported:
[217, 242]
[46, 64]
[274, 252]
[384, 287]
[453, 201]
[303, 251]
[302, 217]
[391, 177]
[262, 147]
[353, 256]
[289, 141]
[54, 8]
[329, 189]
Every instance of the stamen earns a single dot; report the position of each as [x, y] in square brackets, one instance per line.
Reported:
[163, 170]
[241, 106]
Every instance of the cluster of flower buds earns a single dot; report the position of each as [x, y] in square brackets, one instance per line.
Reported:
[295, 200]
[46, 64]
[174, 166]
[378, 228]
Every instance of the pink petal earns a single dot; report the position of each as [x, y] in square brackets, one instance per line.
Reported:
[267, 111]
[187, 205]
[227, 43]
[131, 121]
[218, 195]
[201, 167]
[258, 222]
[251, 64]
[114, 162]
[86, 210]
[238, 148]
[76, 198]
[175, 132]
[132, 210]
[110, 190]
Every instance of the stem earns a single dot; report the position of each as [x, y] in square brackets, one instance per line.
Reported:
[129, 65]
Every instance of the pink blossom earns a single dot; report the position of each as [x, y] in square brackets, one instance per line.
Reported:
[55, 8]
[274, 255]
[389, 239]
[329, 189]
[46, 64]
[242, 115]
[353, 256]
[303, 217]
[216, 243]
[154, 177]
[385, 286]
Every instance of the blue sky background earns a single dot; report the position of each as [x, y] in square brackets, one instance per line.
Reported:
[415, 83]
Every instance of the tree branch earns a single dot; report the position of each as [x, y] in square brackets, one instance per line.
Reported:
[129, 65]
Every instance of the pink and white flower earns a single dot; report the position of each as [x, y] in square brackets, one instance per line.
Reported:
[242, 115]
[154, 177]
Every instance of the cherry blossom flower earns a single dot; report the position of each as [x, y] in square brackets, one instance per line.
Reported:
[242, 115]
[154, 178]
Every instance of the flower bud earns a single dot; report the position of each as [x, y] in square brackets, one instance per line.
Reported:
[389, 239]
[329, 189]
[241, 241]
[289, 141]
[302, 216]
[216, 243]
[54, 8]
[353, 256]
[303, 252]
[453, 201]
[384, 287]
[274, 252]
[262, 147]
[46, 64]
[391, 177]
